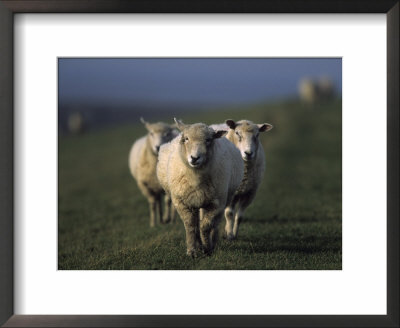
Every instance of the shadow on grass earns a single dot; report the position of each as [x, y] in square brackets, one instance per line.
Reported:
[306, 245]
[282, 220]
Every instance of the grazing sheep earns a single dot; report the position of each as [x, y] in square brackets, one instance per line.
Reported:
[308, 91]
[201, 171]
[326, 88]
[244, 135]
[142, 164]
[313, 91]
[75, 123]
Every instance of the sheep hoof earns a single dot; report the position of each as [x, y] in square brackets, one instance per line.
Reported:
[206, 251]
[228, 236]
[192, 253]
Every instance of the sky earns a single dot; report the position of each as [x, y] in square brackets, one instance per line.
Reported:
[204, 82]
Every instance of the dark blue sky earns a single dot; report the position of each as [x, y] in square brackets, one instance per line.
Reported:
[187, 81]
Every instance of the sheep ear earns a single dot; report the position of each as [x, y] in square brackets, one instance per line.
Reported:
[146, 124]
[231, 124]
[264, 127]
[179, 124]
[219, 134]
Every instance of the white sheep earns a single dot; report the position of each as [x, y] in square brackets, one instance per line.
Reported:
[313, 91]
[142, 164]
[326, 88]
[201, 171]
[244, 135]
[308, 91]
[75, 123]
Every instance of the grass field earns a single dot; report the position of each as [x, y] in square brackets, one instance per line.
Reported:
[295, 222]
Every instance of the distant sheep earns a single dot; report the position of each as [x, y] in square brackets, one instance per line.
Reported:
[142, 164]
[313, 91]
[201, 171]
[326, 88]
[308, 91]
[244, 135]
[75, 123]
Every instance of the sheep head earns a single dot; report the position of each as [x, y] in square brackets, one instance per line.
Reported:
[246, 136]
[158, 134]
[197, 142]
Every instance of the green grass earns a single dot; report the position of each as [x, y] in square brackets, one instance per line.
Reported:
[295, 221]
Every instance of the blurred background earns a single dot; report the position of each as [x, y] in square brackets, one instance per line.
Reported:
[295, 221]
[99, 92]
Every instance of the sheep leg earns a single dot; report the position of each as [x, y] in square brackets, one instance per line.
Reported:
[201, 214]
[198, 238]
[153, 200]
[159, 208]
[238, 219]
[153, 208]
[229, 217]
[190, 220]
[208, 229]
[243, 203]
[167, 209]
[173, 215]
[214, 235]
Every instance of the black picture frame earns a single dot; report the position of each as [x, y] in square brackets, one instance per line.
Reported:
[10, 7]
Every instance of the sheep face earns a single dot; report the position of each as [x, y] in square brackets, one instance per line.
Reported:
[246, 136]
[159, 134]
[197, 142]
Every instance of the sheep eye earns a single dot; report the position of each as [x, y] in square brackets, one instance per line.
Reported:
[186, 138]
[208, 141]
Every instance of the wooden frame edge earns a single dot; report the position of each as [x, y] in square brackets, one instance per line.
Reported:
[195, 321]
[393, 109]
[6, 165]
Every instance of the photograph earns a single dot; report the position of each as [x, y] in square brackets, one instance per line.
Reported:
[249, 149]
[199, 163]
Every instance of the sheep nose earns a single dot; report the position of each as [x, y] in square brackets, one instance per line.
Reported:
[194, 159]
[157, 148]
[248, 153]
